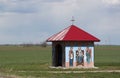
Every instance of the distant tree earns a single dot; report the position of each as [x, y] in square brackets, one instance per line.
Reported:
[44, 44]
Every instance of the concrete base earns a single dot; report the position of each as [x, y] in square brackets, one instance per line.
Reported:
[77, 67]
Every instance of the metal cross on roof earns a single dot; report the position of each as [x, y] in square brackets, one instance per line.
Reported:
[72, 20]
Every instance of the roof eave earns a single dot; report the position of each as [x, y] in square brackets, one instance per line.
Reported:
[74, 40]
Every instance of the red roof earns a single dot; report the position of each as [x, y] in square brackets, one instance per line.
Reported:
[72, 33]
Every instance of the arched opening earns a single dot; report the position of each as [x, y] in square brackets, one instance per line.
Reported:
[58, 55]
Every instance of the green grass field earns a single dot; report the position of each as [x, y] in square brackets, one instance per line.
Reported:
[29, 62]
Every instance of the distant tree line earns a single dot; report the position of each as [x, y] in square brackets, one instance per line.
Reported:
[42, 44]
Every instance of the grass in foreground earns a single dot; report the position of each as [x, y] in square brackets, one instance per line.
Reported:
[68, 75]
[16, 58]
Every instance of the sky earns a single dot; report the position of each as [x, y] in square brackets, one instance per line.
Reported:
[33, 21]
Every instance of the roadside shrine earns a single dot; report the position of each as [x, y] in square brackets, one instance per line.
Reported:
[73, 47]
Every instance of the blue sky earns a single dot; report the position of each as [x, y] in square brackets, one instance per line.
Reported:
[33, 21]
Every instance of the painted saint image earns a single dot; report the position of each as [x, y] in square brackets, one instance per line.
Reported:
[79, 56]
[71, 56]
[88, 55]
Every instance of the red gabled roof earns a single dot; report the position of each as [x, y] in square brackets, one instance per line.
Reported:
[72, 33]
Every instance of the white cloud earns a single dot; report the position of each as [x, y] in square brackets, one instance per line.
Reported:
[35, 37]
[113, 2]
[18, 6]
[35, 20]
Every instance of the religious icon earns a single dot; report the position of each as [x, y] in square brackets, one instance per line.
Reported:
[71, 56]
[88, 55]
[79, 56]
